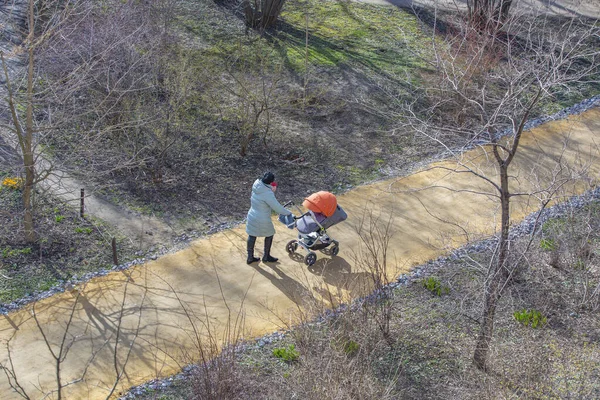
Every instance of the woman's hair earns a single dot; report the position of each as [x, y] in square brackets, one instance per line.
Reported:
[268, 178]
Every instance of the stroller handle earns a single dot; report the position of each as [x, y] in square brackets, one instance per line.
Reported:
[291, 203]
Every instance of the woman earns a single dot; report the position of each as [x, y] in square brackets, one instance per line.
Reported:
[259, 222]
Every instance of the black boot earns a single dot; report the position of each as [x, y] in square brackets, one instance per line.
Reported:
[251, 259]
[267, 256]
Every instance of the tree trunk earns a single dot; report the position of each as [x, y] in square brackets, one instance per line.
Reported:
[503, 9]
[263, 14]
[28, 157]
[497, 277]
[489, 15]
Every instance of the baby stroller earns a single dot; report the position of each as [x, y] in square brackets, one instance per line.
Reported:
[323, 212]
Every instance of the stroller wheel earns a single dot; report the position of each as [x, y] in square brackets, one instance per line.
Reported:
[292, 246]
[310, 259]
[335, 250]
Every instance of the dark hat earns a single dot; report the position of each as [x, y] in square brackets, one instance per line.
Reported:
[268, 178]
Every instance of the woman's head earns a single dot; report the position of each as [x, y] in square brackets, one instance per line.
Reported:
[268, 178]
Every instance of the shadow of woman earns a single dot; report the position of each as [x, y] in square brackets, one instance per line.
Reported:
[294, 290]
[337, 272]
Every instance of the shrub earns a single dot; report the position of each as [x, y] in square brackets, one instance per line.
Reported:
[548, 244]
[351, 348]
[13, 183]
[434, 285]
[530, 317]
[288, 354]
[9, 252]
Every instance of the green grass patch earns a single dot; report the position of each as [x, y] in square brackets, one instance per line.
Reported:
[372, 37]
[10, 252]
[435, 286]
[531, 318]
[379, 39]
[548, 244]
[288, 354]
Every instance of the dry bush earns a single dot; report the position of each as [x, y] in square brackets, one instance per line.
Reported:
[114, 88]
[374, 256]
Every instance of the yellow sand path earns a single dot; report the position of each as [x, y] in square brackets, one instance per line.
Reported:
[207, 283]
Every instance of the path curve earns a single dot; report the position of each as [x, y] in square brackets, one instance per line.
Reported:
[167, 302]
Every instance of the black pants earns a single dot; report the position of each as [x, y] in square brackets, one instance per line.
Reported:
[252, 242]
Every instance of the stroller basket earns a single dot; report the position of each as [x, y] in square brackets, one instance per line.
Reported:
[313, 222]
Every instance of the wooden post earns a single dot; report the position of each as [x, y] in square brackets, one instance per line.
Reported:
[81, 204]
[114, 251]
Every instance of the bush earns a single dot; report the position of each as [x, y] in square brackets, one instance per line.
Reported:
[13, 183]
[288, 354]
[548, 244]
[530, 317]
[434, 285]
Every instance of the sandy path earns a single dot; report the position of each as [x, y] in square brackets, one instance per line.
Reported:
[212, 280]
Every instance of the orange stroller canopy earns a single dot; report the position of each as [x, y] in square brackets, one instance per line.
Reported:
[321, 202]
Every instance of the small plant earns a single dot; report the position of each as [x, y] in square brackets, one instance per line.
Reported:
[13, 183]
[531, 318]
[434, 285]
[351, 348]
[553, 226]
[288, 354]
[579, 265]
[83, 230]
[59, 218]
[548, 244]
[9, 252]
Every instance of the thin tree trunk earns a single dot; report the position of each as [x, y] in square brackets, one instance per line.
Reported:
[28, 157]
[493, 291]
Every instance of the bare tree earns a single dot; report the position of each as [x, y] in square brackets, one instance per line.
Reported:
[38, 30]
[487, 87]
[47, 99]
[246, 92]
[376, 255]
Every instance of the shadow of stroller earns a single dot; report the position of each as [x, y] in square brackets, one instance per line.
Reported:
[337, 272]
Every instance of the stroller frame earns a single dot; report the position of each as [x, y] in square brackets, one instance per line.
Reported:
[318, 240]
